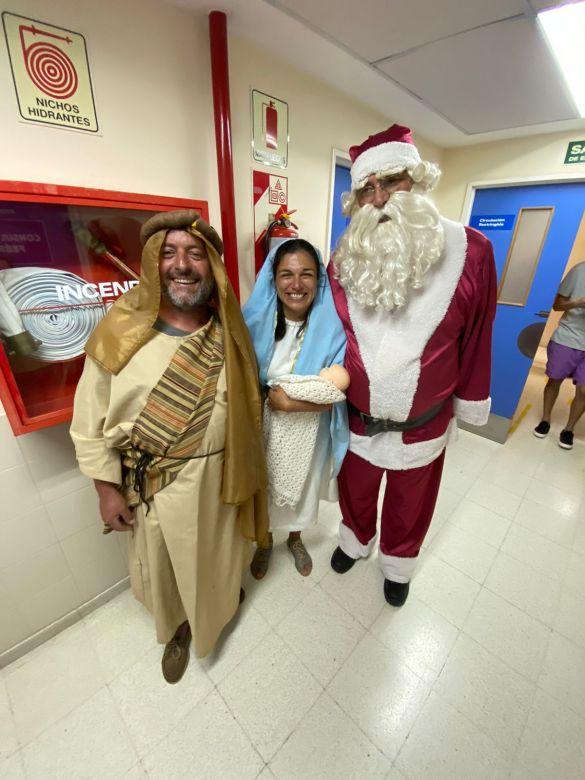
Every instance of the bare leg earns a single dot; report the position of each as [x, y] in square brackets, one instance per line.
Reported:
[577, 407]
[551, 393]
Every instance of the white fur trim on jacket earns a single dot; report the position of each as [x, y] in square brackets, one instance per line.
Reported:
[384, 157]
[351, 545]
[392, 343]
[395, 568]
[472, 412]
[388, 451]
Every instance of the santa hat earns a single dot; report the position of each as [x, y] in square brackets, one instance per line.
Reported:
[390, 151]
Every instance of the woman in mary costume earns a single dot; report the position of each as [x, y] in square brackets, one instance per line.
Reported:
[296, 334]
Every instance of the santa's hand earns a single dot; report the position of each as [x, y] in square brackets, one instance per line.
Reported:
[278, 399]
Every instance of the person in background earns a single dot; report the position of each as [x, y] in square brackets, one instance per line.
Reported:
[166, 422]
[566, 355]
[296, 332]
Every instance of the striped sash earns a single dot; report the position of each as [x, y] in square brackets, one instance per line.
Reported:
[171, 427]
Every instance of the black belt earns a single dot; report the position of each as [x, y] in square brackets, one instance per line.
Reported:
[375, 425]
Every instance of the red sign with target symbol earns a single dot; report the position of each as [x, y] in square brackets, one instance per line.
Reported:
[47, 64]
[51, 73]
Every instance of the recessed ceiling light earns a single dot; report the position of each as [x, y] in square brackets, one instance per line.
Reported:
[564, 28]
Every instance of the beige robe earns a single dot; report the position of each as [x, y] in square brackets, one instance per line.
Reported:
[186, 557]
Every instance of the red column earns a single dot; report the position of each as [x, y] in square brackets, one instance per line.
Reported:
[223, 141]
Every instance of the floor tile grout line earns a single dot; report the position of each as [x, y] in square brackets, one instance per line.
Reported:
[241, 726]
[19, 756]
[192, 660]
[300, 660]
[311, 708]
[343, 606]
[533, 684]
[351, 716]
[252, 742]
[23, 745]
[543, 536]
[412, 726]
[525, 563]
[505, 662]
[516, 606]
[430, 606]
[245, 655]
[512, 755]
[11, 714]
[126, 729]
[559, 700]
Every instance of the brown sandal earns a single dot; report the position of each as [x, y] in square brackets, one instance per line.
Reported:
[259, 565]
[301, 556]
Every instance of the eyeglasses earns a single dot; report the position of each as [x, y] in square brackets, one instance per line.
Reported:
[386, 186]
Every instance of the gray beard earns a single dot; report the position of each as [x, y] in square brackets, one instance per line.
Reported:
[387, 253]
[198, 297]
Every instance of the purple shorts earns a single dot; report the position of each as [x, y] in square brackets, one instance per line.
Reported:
[564, 362]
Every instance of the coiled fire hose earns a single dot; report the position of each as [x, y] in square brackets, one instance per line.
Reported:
[34, 318]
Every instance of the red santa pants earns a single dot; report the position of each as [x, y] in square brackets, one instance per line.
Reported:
[409, 503]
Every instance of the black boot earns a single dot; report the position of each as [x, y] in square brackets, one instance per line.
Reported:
[340, 562]
[395, 593]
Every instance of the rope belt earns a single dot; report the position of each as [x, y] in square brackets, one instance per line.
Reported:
[376, 425]
[143, 463]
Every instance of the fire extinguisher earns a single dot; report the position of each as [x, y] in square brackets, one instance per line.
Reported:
[281, 229]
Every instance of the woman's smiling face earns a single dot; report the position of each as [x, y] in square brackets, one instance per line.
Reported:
[296, 284]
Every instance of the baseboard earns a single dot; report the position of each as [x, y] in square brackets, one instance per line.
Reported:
[496, 428]
[48, 632]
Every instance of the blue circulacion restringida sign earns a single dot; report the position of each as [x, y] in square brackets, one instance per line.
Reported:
[493, 221]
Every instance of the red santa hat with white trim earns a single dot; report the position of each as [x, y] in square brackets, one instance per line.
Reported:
[389, 152]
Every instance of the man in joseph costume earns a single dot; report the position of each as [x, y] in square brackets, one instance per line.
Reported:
[167, 422]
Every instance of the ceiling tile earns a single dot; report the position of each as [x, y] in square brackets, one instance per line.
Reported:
[496, 78]
[540, 5]
[380, 28]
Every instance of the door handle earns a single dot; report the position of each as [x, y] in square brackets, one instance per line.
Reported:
[542, 313]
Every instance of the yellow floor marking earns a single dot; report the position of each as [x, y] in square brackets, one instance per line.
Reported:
[521, 416]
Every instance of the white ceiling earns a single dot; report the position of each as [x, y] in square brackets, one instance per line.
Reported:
[456, 71]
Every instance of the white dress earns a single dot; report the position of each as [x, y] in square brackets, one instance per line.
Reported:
[320, 484]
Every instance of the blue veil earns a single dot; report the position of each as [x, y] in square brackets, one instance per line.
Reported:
[323, 343]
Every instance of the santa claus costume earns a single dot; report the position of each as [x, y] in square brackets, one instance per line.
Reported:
[416, 294]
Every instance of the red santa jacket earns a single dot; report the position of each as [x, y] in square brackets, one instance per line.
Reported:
[435, 349]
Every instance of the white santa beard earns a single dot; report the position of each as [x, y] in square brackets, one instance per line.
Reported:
[379, 263]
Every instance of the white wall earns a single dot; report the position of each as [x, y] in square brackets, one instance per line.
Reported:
[539, 155]
[150, 72]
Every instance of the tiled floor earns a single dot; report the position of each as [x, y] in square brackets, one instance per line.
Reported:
[480, 675]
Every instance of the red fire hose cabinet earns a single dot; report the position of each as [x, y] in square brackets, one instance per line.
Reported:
[66, 254]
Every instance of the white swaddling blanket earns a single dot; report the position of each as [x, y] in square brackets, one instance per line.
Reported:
[290, 437]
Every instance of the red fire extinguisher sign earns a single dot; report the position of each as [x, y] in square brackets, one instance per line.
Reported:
[270, 115]
[269, 130]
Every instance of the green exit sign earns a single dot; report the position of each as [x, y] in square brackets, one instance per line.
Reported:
[575, 152]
